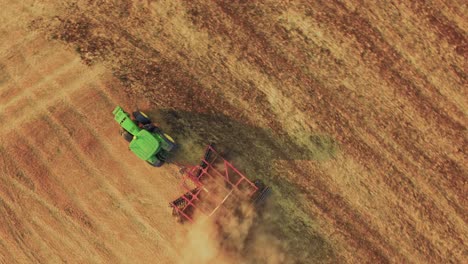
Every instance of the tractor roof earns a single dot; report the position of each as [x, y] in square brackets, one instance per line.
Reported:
[144, 145]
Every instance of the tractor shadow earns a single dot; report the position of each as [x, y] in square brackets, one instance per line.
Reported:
[253, 150]
[259, 146]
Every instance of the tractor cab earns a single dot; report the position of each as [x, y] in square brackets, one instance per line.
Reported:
[144, 145]
[146, 140]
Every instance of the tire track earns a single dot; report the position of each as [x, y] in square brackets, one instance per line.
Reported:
[48, 184]
[15, 227]
[37, 104]
[32, 79]
[9, 48]
[51, 211]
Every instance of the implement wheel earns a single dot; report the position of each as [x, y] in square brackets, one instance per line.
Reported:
[262, 193]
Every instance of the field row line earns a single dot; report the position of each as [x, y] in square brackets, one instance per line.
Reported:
[62, 70]
[55, 212]
[39, 106]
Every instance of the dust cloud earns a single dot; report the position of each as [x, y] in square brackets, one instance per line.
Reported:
[231, 235]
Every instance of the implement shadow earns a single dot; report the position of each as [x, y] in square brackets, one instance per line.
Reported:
[253, 150]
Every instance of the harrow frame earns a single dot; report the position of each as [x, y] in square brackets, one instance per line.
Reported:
[212, 167]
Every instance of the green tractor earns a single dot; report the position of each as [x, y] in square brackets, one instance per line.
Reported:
[147, 141]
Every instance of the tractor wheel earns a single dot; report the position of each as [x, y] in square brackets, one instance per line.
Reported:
[152, 128]
[170, 142]
[127, 136]
[141, 117]
[169, 138]
[157, 163]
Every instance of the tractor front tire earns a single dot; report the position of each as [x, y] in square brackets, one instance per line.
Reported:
[141, 118]
[127, 136]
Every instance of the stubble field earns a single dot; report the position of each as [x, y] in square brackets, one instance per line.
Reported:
[354, 112]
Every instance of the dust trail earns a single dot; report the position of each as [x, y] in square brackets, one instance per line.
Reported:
[232, 235]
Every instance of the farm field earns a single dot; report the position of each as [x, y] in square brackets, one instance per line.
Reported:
[353, 112]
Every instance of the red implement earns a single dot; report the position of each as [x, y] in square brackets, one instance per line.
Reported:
[210, 184]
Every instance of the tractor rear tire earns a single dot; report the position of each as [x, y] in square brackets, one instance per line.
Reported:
[170, 142]
[141, 118]
[152, 128]
[157, 163]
